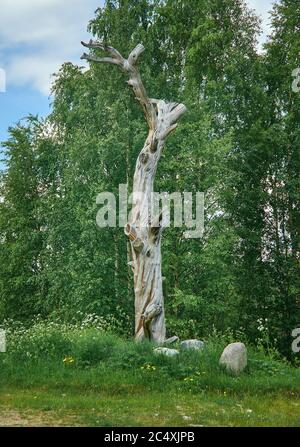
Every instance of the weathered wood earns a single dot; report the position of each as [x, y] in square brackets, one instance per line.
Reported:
[143, 232]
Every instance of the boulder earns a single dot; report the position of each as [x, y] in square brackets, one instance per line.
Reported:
[166, 351]
[234, 357]
[192, 344]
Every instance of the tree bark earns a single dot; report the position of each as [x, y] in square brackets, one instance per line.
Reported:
[143, 230]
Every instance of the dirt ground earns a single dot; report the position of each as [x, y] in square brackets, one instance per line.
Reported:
[12, 418]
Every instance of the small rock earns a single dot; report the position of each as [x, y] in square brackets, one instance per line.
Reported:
[186, 418]
[192, 344]
[166, 351]
[234, 357]
[171, 340]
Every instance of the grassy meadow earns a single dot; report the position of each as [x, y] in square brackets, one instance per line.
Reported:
[58, 375]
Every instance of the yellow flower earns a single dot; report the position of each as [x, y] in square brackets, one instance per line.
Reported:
[148, 367]
[188, 379]
[68, 360]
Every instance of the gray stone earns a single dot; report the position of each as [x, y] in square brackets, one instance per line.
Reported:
[192, 344]
[171, 340]
[234, 357]
[166, 351]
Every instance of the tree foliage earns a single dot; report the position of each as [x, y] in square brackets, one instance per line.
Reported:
[239, 144]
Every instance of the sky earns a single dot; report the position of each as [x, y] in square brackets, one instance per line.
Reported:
[36, 37]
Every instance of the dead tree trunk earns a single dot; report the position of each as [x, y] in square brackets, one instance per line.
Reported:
[144, 231]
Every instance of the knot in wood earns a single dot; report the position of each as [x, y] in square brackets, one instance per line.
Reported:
[130, 231]
[144, 157]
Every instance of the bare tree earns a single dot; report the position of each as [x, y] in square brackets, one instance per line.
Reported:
[143, 231]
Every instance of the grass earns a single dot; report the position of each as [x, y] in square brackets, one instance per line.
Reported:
[54, 376]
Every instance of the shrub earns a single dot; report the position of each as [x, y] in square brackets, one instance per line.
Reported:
[91, 346]
[43, 340]
[119, 324]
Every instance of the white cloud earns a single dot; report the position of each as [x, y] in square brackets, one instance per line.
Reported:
[34, 70]
[262, 8]
[37, 36]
